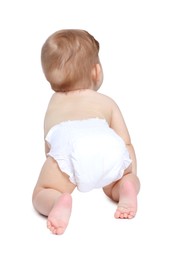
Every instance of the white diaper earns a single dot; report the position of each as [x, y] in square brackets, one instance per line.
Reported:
[89, 151]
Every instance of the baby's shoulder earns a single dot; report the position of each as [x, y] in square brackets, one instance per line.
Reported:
[56, 97]
[106, 98]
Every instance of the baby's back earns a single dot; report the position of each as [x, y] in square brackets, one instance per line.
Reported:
[77, 105]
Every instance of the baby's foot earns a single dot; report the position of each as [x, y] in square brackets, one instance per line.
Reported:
[58, 217]
[127, 205]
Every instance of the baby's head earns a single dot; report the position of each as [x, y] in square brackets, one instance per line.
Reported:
[70, 61]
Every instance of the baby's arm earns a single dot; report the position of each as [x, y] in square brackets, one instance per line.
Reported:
[133, 158]
[47, 148]
[119, 126]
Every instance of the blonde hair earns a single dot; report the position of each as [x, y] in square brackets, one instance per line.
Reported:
[68, 57]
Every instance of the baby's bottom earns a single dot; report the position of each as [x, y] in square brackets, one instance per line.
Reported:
[125, 192]
[51, 196]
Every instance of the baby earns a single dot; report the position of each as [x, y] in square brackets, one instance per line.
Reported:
[87, 143]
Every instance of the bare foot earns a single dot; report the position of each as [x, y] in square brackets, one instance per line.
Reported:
[58, 217]
[127, 205]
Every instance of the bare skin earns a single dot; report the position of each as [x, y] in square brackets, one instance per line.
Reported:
[52, 196]
[58, 217]
[124, 192]
[127, 189]
[52, 193]
[127, 205]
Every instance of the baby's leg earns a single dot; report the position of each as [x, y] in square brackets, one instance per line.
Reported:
[51, 196]
[58, 217]
[125, 193]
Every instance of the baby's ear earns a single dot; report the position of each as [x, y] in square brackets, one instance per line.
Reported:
[96, 72]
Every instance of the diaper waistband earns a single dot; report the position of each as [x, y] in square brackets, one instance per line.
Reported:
[85, 123]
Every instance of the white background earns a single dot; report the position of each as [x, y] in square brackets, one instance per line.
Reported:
[140, 50]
